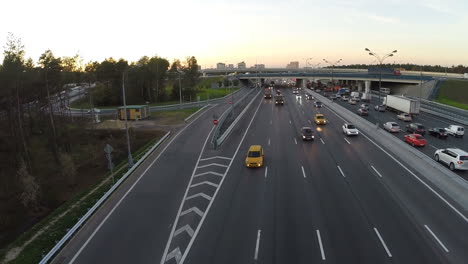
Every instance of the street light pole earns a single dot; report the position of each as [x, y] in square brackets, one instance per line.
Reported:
[130, 158]
[333, 65]
[180, 89]
[420, 83]
[380, 60]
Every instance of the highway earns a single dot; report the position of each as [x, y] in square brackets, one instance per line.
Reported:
[335, 200]
[429, 121]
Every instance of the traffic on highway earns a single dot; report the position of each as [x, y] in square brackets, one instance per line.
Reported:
[297, 181]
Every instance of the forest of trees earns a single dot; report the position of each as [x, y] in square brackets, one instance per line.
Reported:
[411, 67]
[41, 145]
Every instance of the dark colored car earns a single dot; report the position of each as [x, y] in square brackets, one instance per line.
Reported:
[416, 128]
[380, 108]
[438, 132]
[363, 112]
[309, 97]
[318, 104]
[326, 94]
[307, 133]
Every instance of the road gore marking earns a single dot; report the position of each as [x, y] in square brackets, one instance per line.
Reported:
[257, 245]
[319, 238]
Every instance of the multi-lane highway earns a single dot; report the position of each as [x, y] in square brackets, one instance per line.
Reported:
[428, 120]
[335, 200]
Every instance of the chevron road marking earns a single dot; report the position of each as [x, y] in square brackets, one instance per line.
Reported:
[212, 164]
[193, 209]
[198, 195]
[216, 157]
[209, 172]
[204, 182]
[185, 228]
[175, 254]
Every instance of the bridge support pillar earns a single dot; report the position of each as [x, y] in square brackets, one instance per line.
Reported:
[368, 86]
[359, 86]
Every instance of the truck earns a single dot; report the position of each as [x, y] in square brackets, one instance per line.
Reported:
[366, 97]
[384, 71]
[343, 91]
[402, 104]
[267, 93]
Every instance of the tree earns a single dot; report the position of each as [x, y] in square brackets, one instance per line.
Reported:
[51, 68]
[29, 196]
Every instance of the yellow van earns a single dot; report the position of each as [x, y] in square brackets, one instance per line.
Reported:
[254, 157]
[320, 119]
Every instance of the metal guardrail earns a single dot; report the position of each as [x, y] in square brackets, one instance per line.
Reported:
[222, 119]
[445, 111]
[91, 211]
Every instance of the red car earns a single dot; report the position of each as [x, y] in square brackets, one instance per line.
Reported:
[415, 140]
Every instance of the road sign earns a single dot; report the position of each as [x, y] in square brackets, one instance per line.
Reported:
[215, 121]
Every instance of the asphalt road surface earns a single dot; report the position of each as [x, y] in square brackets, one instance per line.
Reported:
[337, 199]
[429, 121]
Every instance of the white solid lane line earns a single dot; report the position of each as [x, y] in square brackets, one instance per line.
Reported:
[289, 121]
[309, 121]
[436, 238]
[322, 141]
[378, 173]
[269, 142]
[347, 141]
[295, 140]
[266, 171]
[433, 146]
[413, 174]
[271, 122]
[383, 242]
[303, 172]
[259, 233]
[319, 238]
[341, 171]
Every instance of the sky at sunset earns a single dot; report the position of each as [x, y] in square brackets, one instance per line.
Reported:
[269, 32]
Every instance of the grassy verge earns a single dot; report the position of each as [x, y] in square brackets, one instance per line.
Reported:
[447, 101]
[34, 251]
[454, 93]
[209, 93]
[177, 115]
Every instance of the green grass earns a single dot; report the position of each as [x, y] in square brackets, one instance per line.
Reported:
[447, 101]
[454, 93]
[205, 83]
[210, 93]
[178, 115]
[34, 252]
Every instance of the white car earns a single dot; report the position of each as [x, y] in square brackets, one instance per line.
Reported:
[344, 98]
[405, 117]
[455, 158]
[392, 127]
[350, 130]
[454, 130]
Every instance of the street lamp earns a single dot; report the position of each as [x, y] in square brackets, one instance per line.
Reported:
[380, 59]
[333, 65]
[130, 158]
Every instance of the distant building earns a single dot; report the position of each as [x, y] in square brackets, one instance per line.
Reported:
[199, 67]
[293, 65]
[231, 66]
[220, 66]
[241, 65]
[259, 66]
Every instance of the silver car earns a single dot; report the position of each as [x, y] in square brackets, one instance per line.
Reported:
[453, 157]
[392, 127]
